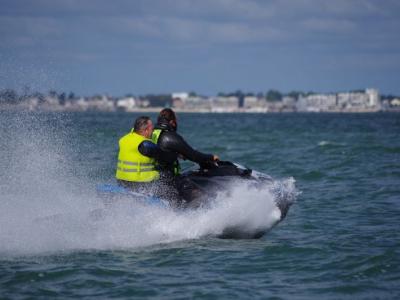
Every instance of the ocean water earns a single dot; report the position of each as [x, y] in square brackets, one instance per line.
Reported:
[340, 239]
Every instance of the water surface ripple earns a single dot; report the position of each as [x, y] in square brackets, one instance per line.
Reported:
[340, 240]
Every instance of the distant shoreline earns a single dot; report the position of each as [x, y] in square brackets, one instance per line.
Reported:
[13, 108]
[273, 102]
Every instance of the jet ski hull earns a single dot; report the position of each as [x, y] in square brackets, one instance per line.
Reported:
[200, 187]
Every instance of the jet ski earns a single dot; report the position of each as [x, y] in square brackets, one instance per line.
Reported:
[199, 188]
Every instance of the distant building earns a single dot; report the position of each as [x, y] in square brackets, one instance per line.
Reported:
[322, 102]
[32, 103]
[348, 101]
[144, 103]
[182, 96]
[224, 104]
[374, 98]
[395, 102]
[354, 101]
[178, 103]
[192, 103]
[254, 104]
[275, 106]
[126, 104]
[78, 104]
[289, 104]
[357, 101]
[289, 101]
[102, 103]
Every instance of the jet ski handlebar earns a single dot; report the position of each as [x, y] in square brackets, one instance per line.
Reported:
[215, 164]
[224, 168]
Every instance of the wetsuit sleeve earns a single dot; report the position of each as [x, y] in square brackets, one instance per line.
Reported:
[178, 144]
[150, 149]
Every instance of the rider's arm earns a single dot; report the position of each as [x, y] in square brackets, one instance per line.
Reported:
[148, 148]
[176, 143]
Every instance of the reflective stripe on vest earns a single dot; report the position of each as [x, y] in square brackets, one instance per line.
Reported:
[132, 165]
[133, 170]
[128, 163]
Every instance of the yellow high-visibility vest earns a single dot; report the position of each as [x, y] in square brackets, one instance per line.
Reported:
[132, 165]
[155, 135]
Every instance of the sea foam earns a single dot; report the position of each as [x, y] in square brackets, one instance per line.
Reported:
[46, 208]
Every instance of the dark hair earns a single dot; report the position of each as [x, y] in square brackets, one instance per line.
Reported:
[166, 114]
[141, 123]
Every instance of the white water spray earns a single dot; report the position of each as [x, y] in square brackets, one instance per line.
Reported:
[45, 208]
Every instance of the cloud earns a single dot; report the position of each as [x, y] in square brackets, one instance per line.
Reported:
[168, 33]
[221, 9]
[330, 25]
[27, 31]
[195, 31]
[191, 21]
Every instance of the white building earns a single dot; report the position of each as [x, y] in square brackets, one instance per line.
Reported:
[77, 105]
[348, 101]
[374, 98]
[126, 104]
[289, 101]
[183, 96]
[317, 102]
[353, 100]
[102, 103]
[192, 103]
[224, 104]
[395, 102]
[255, 104]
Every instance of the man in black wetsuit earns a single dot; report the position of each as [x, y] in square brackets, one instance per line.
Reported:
[174, 146]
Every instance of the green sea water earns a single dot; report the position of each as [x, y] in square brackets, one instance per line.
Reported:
[340, 239]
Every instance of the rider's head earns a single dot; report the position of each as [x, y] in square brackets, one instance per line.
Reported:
[143, 126]
[167, 115]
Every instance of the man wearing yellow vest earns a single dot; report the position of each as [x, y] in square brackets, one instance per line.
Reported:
[136, 159]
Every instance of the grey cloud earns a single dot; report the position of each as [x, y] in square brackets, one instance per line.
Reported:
[26, 31]
[223, 9]
[330, 25]
[254, 33]
[217, 21]
[187, 30]
[66, 8]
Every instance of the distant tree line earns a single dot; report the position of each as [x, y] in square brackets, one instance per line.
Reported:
[389, 97]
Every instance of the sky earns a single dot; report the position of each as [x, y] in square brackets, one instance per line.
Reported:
[139, 47]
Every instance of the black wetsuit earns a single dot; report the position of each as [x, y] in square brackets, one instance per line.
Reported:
[173, 145]
[148, 148]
